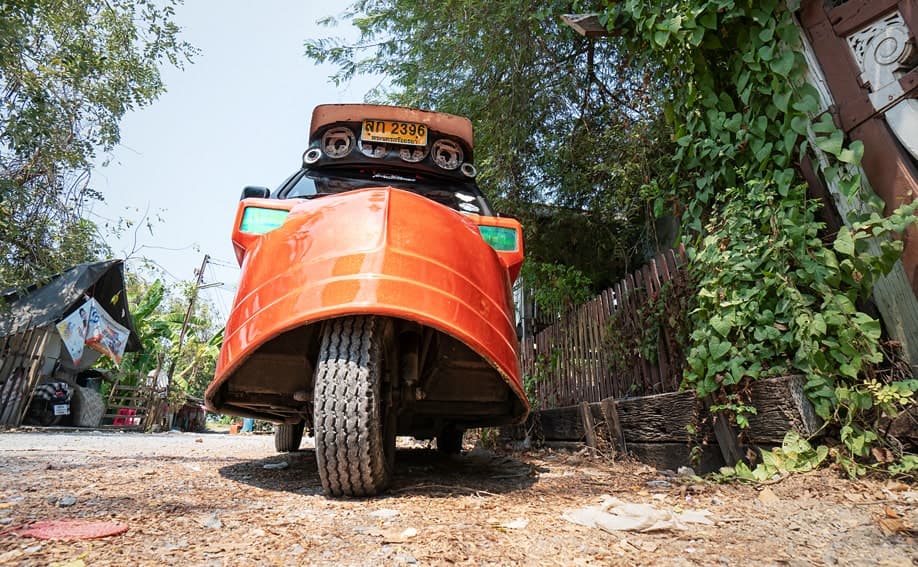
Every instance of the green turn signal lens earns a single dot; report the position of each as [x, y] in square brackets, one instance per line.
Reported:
[499, 238]
[256, 220]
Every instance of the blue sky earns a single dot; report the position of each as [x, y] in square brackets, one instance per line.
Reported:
[237, 116]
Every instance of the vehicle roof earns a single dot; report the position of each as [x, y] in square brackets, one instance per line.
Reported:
[450, 124]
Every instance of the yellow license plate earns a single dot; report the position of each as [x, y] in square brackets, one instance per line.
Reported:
[394, 132]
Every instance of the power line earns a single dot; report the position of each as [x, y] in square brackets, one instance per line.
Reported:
[224, 263]
[220, 303]
[194, 293]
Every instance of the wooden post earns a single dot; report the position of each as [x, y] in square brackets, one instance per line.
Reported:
[586, 416]
[613, 425]
[726, 436]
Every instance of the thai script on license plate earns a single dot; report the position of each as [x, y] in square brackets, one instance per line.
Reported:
[394, 132]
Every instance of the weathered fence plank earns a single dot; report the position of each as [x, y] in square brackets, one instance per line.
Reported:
[674, 455]
[727, 437]
[22, 373]
[572, 357]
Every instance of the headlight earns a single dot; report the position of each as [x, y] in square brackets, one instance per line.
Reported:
[373, 150]
[413, 155]
[447, 154]
[338, 142]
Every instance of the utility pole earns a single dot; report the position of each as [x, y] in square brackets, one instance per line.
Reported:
[181, 341]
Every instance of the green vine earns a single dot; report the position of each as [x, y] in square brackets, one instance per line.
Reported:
[556, 288]
[659, 320]
[773, 297]
[544, 365]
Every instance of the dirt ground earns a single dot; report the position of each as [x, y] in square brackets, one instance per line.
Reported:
[208, 499]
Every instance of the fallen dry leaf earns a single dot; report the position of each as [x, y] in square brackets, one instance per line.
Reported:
[767, 496]
[896, 526]
[883, 455]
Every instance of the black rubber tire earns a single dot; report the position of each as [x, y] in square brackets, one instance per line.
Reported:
[288, 436]
[449, 441]
[354, 431]
[41, 413]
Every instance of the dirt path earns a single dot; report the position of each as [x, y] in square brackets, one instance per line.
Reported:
[209, 500]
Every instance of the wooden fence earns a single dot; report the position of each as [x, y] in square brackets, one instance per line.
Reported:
[20, 369]
[131, 407]
[574, 360]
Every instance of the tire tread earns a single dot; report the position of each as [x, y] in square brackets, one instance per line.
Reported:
[350, 445]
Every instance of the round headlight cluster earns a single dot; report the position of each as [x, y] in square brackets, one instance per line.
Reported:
[340, 141]
[413, 154]
[447, 154]
[373, 149]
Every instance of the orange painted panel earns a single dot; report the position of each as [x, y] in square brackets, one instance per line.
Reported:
[375, 251]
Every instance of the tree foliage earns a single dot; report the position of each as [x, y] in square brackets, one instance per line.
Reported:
[158, 313]
[776, 294]
[566, 129]
[69, 70]
[576, 126]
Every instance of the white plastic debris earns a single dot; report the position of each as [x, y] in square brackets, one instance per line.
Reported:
[517, 524]
[280, 465]
[213, 522]
[613, 515]
[384, 513]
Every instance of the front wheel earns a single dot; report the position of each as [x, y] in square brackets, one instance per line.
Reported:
[288, 436]
[354, 429]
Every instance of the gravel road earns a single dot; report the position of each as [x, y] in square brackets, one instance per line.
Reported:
[217, 499]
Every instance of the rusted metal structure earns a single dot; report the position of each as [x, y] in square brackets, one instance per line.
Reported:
[863, 60]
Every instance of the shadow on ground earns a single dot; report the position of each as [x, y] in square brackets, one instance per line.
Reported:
[417, 472]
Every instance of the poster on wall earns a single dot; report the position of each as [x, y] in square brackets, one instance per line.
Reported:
[72, 330]
[104, 334]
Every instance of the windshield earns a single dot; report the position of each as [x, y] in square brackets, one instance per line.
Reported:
[463, 197]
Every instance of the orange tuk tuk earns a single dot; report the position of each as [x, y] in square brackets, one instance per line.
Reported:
[375, 297]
